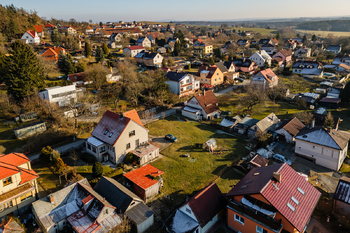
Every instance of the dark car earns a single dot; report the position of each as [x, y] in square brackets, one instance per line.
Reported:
[170, 137]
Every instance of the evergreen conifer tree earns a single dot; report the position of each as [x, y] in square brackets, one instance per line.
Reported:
[87, 49]
[100, 57]
[105, 49]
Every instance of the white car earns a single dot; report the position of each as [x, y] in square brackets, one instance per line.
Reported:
[281, 159]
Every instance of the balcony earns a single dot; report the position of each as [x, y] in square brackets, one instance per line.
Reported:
[255, 216]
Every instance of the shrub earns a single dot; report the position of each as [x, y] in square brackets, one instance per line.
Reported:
[88, 158]
[121, 165]
[58, 165]
[116, 172]
[48, 155]
[97, 169]
[129, 158]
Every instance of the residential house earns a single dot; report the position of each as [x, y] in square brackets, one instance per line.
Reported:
[30, 37]
[51, 53]
[144, 42]
[265, 125]
[258, 161]
[341, 197]
[264, 79]
[39, 30]
[302, 53]
[308, 97]
[334, 49]
[113, 76]
[264, 41]
[245, 65]
[77, 207]
[145, 153]
[228, 123]
[339, 59]
[116, 37]
[79, 79]
[132, 51]
[152, 36]
[271, 198]
[342, 67]
[19, 187]
[69, 29]
[228, 69]
[200, 213]
[244, 125]
[202, 106]
[89, 30]
[60, 95]
[149, 59]
[261, 57]
[202, 49]
[10, 226]
[326, 147]
[308, 69]
[289, 129]
[182, 84]
[49, 27]
[211, 75]
[274, 41]
[126, 202]
[161, 50]
[111, 45]
[26, 131]
[268, 48]
[283, 56]
[243, 42]
[146, 181]
[115, 135]
[290, 44]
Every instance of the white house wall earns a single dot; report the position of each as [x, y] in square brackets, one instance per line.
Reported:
[174, 86]
[145, 225]
[323, 156]
[186, 209]
[289, 138]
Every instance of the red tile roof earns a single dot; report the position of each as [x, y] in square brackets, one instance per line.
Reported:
[268, 74]
[9, 166]
[77, 77]
[207, 203]
[211, 70]
[141, 177]
[114, 124]
[260, 180]
[38, 28]
[14, 159]
[52, 53]
[135, 47]
[27, 175]
[49, 25]
[31, 33]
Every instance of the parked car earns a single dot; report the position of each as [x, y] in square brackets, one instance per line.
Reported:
[170, 137]
[281, 159]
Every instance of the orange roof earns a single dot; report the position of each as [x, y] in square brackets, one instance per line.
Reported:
[27, 175]
[32, 33]
[52, 53]
[88, 28]
[49, 25]
[132, 114]
[14, 159]
[141, 177]
[268, 74]
[38, 28]
[9, 166]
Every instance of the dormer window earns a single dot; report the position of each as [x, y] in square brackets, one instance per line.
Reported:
[105, 133]
[110, 135]
[7, 181]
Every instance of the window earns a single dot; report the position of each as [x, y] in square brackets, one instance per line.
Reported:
[94, 149]
[128, 146]
[26, 196]
[215, 80]
[7, 181]
[188, 210]
[260, 230]
[301, 191]
[5, 206]
[137, 143]
[290, 206]
[110, 135]
[205, 80]
[102, 149]
[89, 146]
[105, 132]
[295, 200]
[239, 219]
[131, 133]
[314, 147]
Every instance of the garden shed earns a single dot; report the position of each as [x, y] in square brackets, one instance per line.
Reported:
[210, 145]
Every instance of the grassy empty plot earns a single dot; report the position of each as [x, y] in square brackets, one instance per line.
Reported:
[262, 31]
[48, 181]
[187, 175]
[324, 33]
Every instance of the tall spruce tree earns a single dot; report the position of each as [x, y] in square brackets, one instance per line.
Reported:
[23, 73]
[56, 37]
[87, 49]
[65, 63]
[100, 56]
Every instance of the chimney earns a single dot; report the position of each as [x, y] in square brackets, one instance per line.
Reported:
[52, 201]
[329, 129]
[313, 124]
[203, 92]
[277, 176]
[104, 199]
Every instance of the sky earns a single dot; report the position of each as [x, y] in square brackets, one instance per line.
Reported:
[181, 10]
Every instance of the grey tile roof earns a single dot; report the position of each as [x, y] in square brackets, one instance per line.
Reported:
[139, 213]
[175, 76]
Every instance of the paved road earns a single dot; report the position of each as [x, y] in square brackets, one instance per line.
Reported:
[62, 149]
[245, 82]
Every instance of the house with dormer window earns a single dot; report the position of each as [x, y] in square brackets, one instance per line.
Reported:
[116, 135]
[18, 184]
[308, 69]
[270, 199]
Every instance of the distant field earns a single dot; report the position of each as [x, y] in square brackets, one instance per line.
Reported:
[262, 31]
[323, 33]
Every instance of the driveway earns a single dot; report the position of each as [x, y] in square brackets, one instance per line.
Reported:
[161, 142]
[232, 88]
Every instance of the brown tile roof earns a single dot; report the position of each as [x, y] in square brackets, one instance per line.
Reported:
[77, 77]
[259, 161]
[286, 52]
[207, 203]
[211, 70]
[293, 126]
[344, 66]
[208, 101]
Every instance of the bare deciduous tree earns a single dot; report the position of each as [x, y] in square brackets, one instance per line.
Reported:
[253, 97]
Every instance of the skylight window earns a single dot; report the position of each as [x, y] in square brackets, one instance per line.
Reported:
[301, 191]
[244, 186]
[105, 132]
[295, 200]
[110, 135]
[291, 207]
[255, 174]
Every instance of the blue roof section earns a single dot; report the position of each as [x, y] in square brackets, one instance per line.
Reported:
[175, 76]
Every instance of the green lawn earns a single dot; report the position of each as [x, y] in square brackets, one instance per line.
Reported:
[8, 141]
[184, 176]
